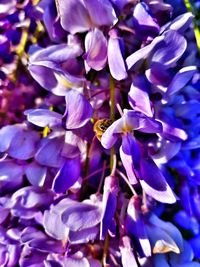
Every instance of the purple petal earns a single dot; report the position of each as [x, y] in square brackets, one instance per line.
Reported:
[36, 174]
[143, 53]
[186, 221]
[72, 146]
[182, 22]
[52, 222]
[30, 233]
[11, 175]
[83, 236]
[94, 263]
[96, 49]
[38, 240]
[127, 256]
[30, 197]
[76, 260]
[192, 144]
[7, 7]
[32, 258]
[67, 175]
[109, 204]
[53, 225]
[43, 117]
[49, 152]
[115, 58]
[120, 3]
[52, 23]
[160, 240]
[172, 133]
[181, 79]
[154, 183]
[51, 263]
[4, 214]
[187, 255]
[39, 73]
[188, 110]
[111, 135]
[10, 255]
[48, 62]
[24, 145]
[78, 110]
[130, 157]
[3, 255]
[169, 228]
[160, 260]
[58, 82]
[158, 75]
[143, 20]
[173, 48]
[138, 121]
[166, 151]
[81, 216]
[7, 133]
[101, 12]
[138, 96]
[56, 53]
[74, 16]
[136, 227]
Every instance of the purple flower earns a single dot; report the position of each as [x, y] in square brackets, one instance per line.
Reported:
[18, 142]
[77, 221]
[28, 201]
[55, 62]
[138, 167]
[165, 49]
[81, 16]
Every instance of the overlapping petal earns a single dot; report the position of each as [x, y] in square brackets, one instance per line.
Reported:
[78, 110]
[96, 49]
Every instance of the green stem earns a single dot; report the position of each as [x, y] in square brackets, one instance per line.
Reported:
[105, 250]
[112, 155]
[112, 98]
[112, 115]
[196, 28]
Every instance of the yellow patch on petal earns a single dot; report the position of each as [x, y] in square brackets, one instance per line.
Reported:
[62, 80]
[162, 246]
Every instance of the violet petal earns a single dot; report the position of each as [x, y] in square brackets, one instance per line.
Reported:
[96, 49]
[67, 175]
[44, 117]
[115, 59]
[78, 110]
[74, 16]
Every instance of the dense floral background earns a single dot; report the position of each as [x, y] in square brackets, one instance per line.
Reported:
[99, 133]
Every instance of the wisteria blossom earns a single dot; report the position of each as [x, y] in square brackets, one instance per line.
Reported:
[99, 133]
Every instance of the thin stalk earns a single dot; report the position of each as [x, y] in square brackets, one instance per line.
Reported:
[114, 165]
[119, 109]
[127, 182]
[102, 177]
[95, 172]
[87, 161]
[112, 98]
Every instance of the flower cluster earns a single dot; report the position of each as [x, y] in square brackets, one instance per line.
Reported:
[99, 137]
